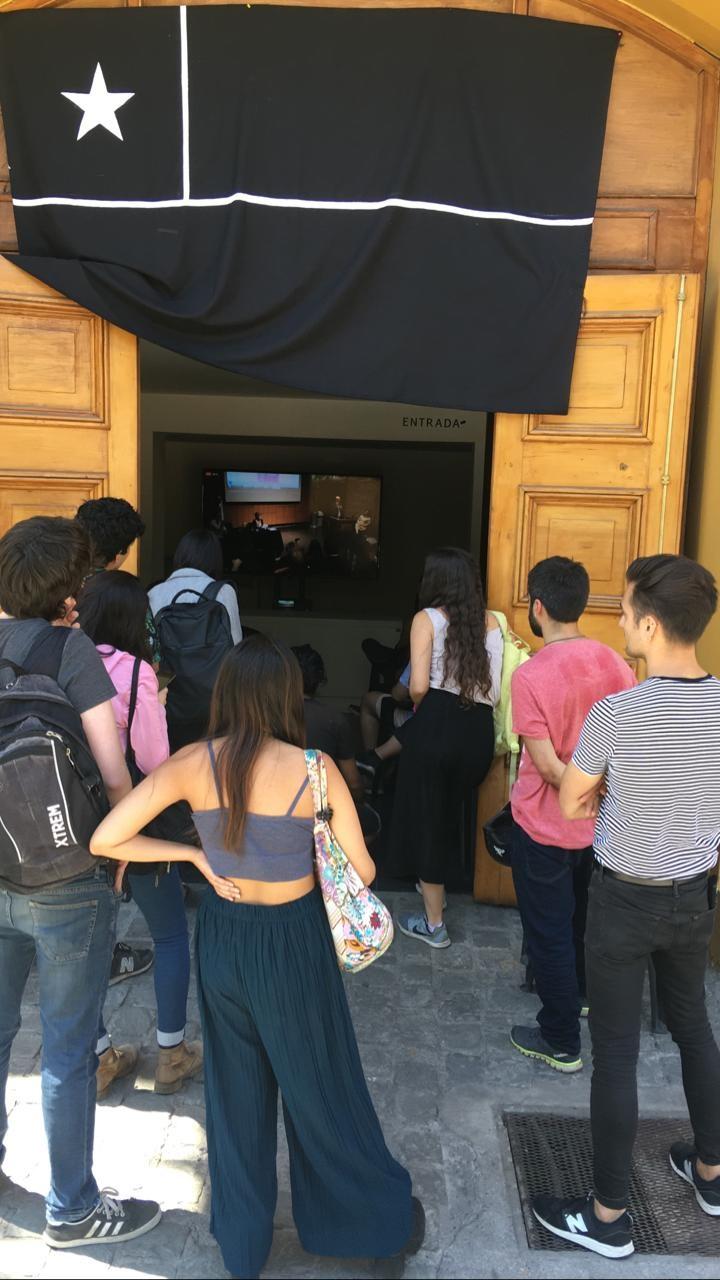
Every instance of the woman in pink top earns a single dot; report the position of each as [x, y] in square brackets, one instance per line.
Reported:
[112, 610]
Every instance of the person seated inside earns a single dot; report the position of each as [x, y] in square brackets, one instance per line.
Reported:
[327, 729]
[382, 714]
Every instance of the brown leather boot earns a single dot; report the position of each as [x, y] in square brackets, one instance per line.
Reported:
[114, 1064]
[183, 1062]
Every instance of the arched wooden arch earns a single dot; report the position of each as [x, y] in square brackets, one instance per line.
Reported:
[606, 482]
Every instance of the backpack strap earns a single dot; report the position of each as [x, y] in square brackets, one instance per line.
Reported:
[213, 589]
[129, 750]
[44, 657]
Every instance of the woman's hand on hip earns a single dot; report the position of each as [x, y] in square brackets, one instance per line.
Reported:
[223, 886]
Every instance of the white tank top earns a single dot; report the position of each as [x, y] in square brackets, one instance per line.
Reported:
[494, 645]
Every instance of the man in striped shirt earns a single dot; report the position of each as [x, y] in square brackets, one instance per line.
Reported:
[648, 761]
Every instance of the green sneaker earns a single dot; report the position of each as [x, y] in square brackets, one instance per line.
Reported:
[530, 1042]
[418, 927]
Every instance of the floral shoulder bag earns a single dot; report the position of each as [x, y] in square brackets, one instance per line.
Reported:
[361, 924]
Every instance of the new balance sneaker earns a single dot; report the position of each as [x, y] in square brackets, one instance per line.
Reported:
[576, 1221]
[418, 889]
[112, 1222]
[531, 1042]
[418, 927]
[683, 1162]
[129, 962]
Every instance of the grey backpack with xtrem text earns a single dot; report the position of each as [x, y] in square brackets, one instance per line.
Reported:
[51, 794]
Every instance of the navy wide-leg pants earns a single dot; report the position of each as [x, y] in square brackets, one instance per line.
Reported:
[275, 1015]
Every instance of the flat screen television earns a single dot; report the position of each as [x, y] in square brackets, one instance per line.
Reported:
[295, 524]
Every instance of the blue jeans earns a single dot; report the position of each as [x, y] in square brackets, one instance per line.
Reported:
[70, 929]
[552, 892]
[161, 902]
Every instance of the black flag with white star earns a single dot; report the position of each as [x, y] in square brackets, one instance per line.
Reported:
[388, 204]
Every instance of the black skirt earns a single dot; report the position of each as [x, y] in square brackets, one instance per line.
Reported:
[447, 750]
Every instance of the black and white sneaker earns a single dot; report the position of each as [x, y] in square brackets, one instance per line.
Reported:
[129, 962]
[369, 764]
[575, 1221]
[531, 1042]
[112, 1222]
[683, 1162]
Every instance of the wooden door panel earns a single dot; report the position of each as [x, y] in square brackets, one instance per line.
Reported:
[52, 361]
[606, 482]
[611, 383]
[36, 494]
[68, 403]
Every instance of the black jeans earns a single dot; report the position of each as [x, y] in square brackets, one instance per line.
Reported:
[552, 887]
[626, 925]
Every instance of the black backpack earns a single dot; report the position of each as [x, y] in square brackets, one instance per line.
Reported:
[51, 794]
[194, 637]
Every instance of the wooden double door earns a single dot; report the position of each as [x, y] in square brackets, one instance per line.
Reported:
[604, 483]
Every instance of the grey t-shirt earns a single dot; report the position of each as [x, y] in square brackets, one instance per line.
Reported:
[82, 675]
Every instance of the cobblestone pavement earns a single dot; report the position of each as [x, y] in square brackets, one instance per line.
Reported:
[433, 1032]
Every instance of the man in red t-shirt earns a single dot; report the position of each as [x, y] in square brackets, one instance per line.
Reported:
[551, 856]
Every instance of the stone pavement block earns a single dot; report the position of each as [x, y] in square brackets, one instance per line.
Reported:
[23, 1259]
[82, 1264]
[132, 1022]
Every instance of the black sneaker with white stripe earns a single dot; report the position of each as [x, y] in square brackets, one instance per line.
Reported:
[129, 962]
[683, 1162]
[112, 1222]
[576, 1222]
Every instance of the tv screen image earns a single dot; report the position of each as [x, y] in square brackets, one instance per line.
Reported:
[262, 486]
[288, 524]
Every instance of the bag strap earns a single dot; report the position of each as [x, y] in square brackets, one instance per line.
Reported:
[213, 589]
[318, 783]
[186, 591]
[129, 750]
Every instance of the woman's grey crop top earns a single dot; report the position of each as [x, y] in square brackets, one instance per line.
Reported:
[275, 846]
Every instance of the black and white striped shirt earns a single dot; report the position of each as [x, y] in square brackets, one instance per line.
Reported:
[659, 748]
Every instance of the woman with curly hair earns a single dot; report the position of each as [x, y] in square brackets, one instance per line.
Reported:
[448, 746]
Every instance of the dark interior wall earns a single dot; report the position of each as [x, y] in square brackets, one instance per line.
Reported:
[427, 500]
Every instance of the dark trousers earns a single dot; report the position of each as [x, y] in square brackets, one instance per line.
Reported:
[551, 886]
[275, 1015]
[626, 925]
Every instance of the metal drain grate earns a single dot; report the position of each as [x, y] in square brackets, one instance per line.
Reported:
[554, 1153]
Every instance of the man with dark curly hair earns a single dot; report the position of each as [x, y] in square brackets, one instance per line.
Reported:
[113, 526]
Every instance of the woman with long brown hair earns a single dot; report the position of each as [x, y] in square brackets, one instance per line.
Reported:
[448, 745]
[273, 1006]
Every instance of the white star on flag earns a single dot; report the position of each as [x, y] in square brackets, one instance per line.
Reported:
[99, 107]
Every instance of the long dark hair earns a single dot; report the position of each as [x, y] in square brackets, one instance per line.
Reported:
[451, 581]
[258, 695]
[199, 549]
[113, 608]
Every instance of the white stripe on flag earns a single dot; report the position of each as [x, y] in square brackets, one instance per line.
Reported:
[185, 99]
[292, 202]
